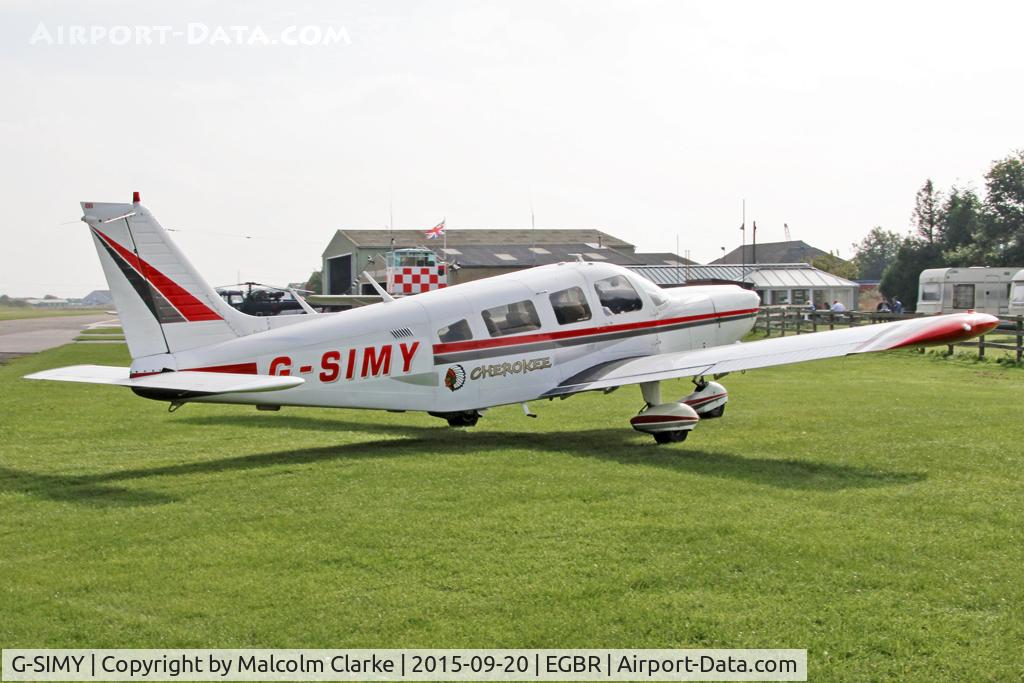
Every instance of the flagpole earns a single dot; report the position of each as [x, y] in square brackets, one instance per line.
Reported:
[743, 246]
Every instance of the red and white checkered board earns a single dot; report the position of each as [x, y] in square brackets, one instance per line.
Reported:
[413, 280]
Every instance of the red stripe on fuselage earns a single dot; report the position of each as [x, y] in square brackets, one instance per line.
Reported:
[516, 340]
[236, 369]
[191, 308]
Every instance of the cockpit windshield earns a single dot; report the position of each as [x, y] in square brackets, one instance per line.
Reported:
[657, 295]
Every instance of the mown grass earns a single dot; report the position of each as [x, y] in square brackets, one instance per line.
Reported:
[23, 312]
[867, 509]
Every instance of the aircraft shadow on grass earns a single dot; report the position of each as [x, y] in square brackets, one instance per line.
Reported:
[615, 445]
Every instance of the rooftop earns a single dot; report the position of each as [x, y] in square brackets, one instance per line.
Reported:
[381, 239]
[795, 251]
[520, 256]
[762, 276]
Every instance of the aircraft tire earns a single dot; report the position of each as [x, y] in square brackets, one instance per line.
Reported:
[671, 437]
[464, 419]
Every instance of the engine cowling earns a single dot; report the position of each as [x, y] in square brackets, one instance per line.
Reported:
[665, 417]
[708, 399]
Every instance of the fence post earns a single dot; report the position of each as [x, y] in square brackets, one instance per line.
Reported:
[981, 347]
[1020, 336]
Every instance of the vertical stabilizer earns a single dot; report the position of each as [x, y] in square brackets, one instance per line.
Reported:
[164, 304]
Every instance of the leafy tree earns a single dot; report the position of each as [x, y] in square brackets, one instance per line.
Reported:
[16, 303]
[1003, 224]
[875, 252]
[927, 211]
[831, 263]
[960, 228]
[315, 282]
[901, 277]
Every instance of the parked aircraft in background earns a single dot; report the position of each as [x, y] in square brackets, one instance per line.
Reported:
[547, 332]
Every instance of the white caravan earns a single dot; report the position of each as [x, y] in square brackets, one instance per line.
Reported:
[545, 332]
[1017, 294]
[948, 290]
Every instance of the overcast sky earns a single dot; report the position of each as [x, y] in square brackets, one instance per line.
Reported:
[646, 120]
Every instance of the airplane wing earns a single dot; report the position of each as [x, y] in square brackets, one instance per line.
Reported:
[943, 329]
[185, 383]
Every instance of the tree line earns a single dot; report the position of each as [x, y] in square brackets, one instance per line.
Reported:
[957, 227]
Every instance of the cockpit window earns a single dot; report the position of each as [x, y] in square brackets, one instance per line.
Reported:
[570, 306]
[658, 297]
[617, 295]
[511, 318]
[457, 331]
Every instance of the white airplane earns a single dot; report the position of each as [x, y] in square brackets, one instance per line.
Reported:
[545, 332]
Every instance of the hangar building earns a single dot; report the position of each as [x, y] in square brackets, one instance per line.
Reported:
[473, 254]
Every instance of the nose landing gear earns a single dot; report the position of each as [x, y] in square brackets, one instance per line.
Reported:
[707, 398]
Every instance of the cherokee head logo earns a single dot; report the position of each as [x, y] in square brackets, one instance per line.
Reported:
[455, 378]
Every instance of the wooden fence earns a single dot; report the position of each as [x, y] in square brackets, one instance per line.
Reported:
[782, 320]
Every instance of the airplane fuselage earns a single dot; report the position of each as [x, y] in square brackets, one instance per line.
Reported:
[502, 340]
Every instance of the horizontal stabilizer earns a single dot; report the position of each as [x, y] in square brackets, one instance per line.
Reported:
[184, 382]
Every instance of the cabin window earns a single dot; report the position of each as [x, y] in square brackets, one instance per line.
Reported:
[419, 260]
[1018, 293]
[930, 291]
[617, 295]
[511, 318]
[458, 331]
[963, 296]
[570, 306]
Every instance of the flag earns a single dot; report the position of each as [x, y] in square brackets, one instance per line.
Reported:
[435, 231]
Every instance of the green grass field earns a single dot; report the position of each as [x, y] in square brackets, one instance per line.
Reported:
[23, 312]
[868, 509]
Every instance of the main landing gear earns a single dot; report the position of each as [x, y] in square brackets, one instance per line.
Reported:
[465, 418]
[672, 422]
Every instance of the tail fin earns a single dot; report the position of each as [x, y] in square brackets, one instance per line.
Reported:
[164, 304]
